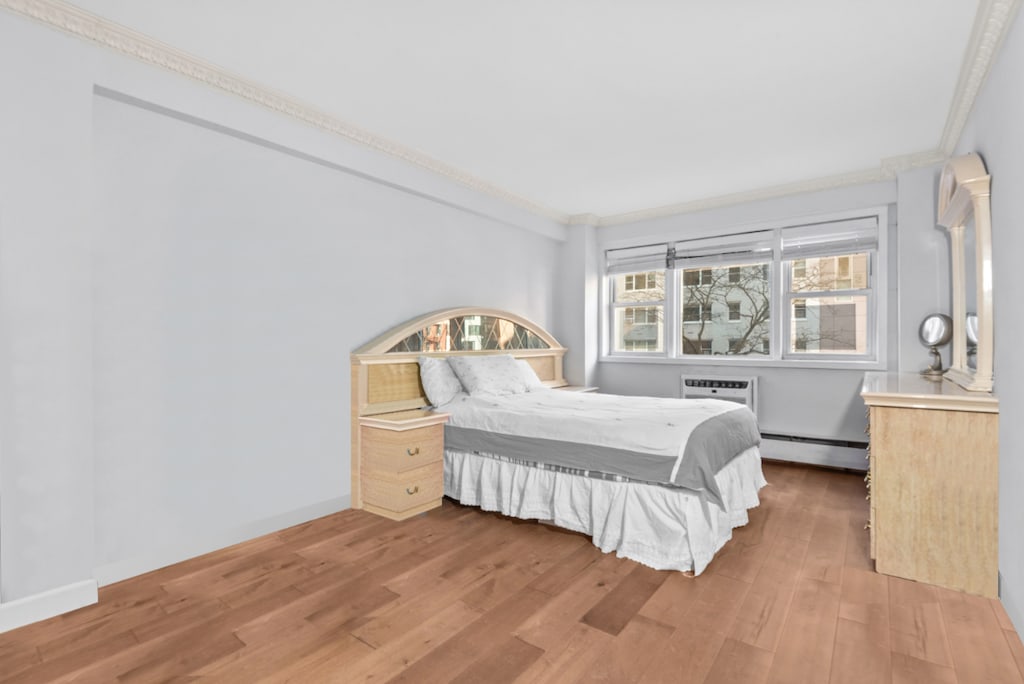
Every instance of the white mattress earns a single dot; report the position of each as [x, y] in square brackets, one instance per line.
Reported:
[661, 527]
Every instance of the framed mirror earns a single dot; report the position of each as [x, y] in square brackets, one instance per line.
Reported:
[964, 211]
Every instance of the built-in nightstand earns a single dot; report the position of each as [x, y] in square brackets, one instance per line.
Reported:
[577, 388]
[401, 467]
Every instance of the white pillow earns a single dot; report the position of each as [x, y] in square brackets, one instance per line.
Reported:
[530, 378]
[495, 375]
[439, 382]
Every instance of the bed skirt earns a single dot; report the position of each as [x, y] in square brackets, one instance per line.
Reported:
[661, 527]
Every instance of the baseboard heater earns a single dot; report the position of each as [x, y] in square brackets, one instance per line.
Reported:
[834, 453]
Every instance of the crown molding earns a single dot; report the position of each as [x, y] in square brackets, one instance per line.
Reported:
[77, 22]
[583, 220]
[887, 170]
[991, 24]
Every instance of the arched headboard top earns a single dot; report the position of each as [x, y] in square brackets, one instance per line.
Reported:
[465, 329]
[385, 372]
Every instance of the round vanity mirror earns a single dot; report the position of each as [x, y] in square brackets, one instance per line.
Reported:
[936, 331]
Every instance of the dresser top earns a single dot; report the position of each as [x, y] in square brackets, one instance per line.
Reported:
[911, 390]
[404, 420]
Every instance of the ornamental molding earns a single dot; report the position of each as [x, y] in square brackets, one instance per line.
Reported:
[82, 24]
[991, 24]
[888, 170]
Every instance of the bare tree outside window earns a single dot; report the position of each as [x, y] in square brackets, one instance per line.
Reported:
[734, 310]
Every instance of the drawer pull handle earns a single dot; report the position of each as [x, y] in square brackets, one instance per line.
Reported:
[413, 452]
[412, 491]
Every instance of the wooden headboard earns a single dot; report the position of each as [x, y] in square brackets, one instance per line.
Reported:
[385, 372]
[386, 376]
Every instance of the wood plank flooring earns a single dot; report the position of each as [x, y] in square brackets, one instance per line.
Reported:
[462, 595]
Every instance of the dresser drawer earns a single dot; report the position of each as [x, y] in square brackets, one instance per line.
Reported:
[399, 451]
[403, 492]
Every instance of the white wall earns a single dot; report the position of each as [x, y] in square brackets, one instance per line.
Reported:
[46, 445]
[995, 129]
[224, 260]
[923, 264]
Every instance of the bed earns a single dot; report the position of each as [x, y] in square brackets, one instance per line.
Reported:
[660, 481]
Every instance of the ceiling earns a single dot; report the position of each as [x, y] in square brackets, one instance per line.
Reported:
[594, 106]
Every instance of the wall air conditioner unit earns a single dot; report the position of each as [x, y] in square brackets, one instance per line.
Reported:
[742, 390]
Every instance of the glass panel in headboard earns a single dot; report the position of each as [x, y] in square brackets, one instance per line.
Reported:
[470, 333]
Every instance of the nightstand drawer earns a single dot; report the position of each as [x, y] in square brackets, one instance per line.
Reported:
[399, 493]
[399, 451]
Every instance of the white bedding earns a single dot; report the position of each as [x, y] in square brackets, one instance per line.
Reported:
[663, 527]
[628, 423]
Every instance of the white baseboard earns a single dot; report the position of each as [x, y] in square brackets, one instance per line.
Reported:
[206, 541]
[814, 454]
[1014, 608]
[47, 604]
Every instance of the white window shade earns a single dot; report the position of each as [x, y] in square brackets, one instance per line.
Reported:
[723, 250]
[633, 259]
[828, 239]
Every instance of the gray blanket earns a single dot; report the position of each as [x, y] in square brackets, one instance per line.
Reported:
[710, 446]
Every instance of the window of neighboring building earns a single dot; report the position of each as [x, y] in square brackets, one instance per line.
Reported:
[734, 274]
[697, 277]
[799, 309]
[734, 311]
[696, 313]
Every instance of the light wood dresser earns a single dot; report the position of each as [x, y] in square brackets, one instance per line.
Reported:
[400, 463]
[933, 481]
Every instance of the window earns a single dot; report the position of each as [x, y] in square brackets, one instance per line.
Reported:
[824, 322]
[697, 277]
[801, 292]
[800, 309]
[746, 315]
[641, 281]
[639, 305]
[696, 313]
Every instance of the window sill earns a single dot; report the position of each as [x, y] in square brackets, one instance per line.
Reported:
[735, 362]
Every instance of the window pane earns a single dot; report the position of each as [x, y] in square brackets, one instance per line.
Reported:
[725, 310]
[640, 287]
[638, 328]
[826, 274]
[831, 325]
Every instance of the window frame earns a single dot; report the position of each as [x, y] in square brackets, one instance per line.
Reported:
[779, 355]
[613, 305]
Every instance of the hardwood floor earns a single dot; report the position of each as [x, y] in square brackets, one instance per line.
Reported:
[466, 596]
